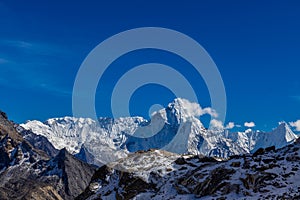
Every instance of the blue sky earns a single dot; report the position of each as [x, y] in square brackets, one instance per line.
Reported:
[255, 45]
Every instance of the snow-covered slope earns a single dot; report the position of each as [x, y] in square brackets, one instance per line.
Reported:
[279, 137]
[102, 140]
[176, 129]
[155, 174]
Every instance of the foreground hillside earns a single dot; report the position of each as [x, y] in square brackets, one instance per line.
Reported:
[156, 174]
[30, 173]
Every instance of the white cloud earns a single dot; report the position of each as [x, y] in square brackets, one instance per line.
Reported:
[230, 125]
[216, 124]
[209, 111]
[296, 125]
[17, 43]
[194, 109]
[249, 124]
[189, 108]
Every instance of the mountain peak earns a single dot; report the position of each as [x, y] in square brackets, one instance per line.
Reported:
[7, 129]
[3, 114]
[278, 137]
[283, 124]
[285, 129]
[186, 108]
[63, 153]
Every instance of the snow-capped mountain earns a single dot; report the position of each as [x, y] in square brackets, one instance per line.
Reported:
[200, 163]
[176, 129]
[102, 140]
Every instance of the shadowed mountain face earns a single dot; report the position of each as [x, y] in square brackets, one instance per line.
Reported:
[38, 141]
[30, 173]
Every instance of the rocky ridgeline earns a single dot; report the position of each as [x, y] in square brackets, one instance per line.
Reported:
[266, 174]
[30, 173]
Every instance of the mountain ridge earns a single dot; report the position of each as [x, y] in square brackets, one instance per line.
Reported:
[27, 172]
[176, 128]
[266, 173]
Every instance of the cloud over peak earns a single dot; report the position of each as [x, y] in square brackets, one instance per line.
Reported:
[194, 109]
[295, 124]
[230, 125]
[216, 124]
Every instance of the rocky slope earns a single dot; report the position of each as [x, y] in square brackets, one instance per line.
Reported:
[38, 141]
[30, 173]
[156, 174]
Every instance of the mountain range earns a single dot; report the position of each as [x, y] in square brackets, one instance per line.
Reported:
[171, 156]
[175, 129]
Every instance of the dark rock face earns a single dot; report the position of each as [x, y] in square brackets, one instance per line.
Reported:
[272, 148]
[85, 156]
[259, 151]
[257, 181]
[215, 181]
[29, 173]
[74, 173]
[235, 164]
[3, 114]
[7, 130]
[39, 142]
[4, 158]
[132, 185]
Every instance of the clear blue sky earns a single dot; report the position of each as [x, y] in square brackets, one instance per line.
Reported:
[255, 44]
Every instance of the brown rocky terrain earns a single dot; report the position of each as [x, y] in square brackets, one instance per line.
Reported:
[30, 173]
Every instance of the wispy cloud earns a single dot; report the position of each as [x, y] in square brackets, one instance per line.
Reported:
[55, 89]
[17, 43]
[230, 125]
[296, 125]
[210, 111]
[32, 47]
[32, 65]
[36, 85]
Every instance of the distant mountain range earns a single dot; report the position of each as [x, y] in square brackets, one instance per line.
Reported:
[175, 129]
[173, 156]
